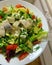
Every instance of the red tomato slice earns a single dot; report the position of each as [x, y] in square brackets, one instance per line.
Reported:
[0, 50]
[11, 47]
[36, 42]
[0, 17]
[14, 47]
[18, 6]
[23, 55]
[33, 17]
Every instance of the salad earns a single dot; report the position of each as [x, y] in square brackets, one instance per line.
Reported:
[20, 30]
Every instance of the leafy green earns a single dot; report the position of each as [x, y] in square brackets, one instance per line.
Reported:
[25, 48]
[33, 37]
[42, 34]
[4, 15]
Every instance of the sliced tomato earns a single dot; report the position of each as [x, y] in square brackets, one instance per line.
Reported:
[0, 17]
[11, 47]
[36, 42]
[33, 17]
[18, 6]
[14, 47]
[23, 55]
[0, 50]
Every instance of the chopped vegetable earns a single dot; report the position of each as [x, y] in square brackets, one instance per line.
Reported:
[29, 44]
[4, 9]
[19, 6]
[23, 55]
[27, 11]
[11, 47]
[36, 42]
[40, 25]
[33, 17]
[0, 17]
[0, 50]
[18, 49]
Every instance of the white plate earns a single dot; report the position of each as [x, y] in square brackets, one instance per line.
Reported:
[34, 55]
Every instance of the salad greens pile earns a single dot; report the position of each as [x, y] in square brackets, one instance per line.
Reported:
[20, 29]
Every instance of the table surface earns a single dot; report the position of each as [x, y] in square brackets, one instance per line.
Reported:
[36, 62]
